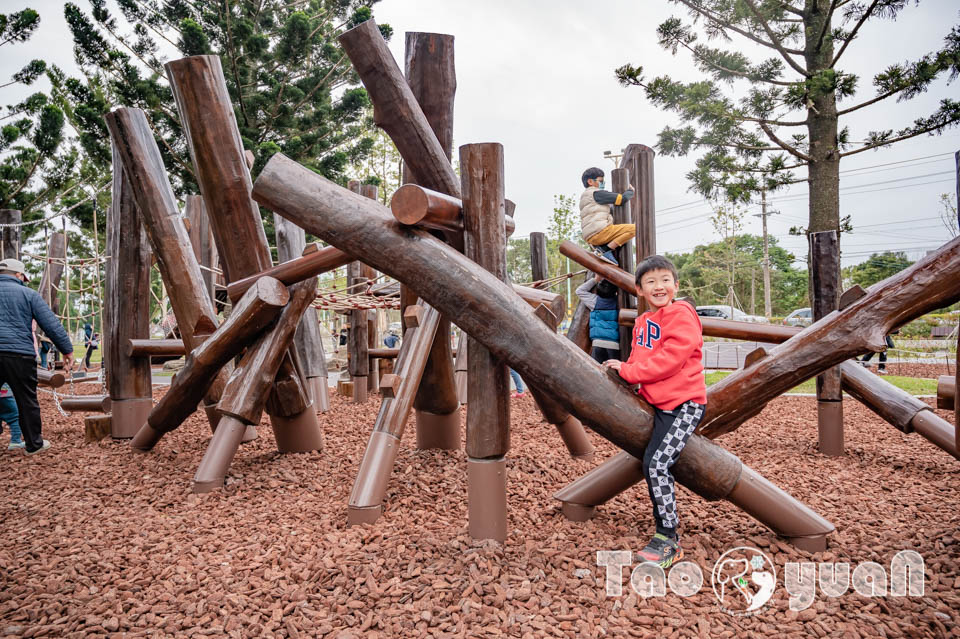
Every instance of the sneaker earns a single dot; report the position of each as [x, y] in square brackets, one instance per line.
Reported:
[662, 551]
[608, 256]
[882, 371]
[16, 446]
[516, 395]
[46, 445]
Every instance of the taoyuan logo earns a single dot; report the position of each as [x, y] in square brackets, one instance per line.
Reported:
[744, 579]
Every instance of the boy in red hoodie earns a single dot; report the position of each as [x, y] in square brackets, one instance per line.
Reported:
[666, 362]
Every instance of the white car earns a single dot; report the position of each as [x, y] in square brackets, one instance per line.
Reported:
[723, 311]
[799, 317]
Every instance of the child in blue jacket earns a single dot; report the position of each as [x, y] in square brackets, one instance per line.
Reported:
[600, 296]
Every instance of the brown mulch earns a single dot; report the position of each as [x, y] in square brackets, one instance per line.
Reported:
[931, 371]
[101, 541]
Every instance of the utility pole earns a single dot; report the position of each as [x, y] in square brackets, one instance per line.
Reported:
[766, 252]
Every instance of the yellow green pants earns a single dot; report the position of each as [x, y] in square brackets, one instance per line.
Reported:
[619, 233]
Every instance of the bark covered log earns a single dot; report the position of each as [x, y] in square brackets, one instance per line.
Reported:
[415, 205]
[295, 270]
[251, 315]
[53, 271]
[201, 238]
[127, 287]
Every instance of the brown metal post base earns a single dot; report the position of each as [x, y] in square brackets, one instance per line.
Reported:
[214, 418]
[146, 438]
[780, 512]
[359, 389]
[575, 437]
[830, 428]
[321, 393]
[601, 484]
[223, 446]
[373, 475]
[487, 498]
[128, 415]
[577, 512]
[438, 431]
[298, 434]
[939, 431]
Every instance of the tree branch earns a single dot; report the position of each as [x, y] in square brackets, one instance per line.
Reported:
[723, 69]
[873, 100]
[726, 25]
[783, 145]
[775, 40]
[853, 34]
[907, 136]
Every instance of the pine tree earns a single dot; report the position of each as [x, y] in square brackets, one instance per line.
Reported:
[788, 117]
[293, 88]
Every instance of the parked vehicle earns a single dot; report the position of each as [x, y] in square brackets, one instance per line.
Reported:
[723, 311]
[799, 317]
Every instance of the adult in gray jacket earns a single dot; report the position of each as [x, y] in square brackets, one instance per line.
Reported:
[19, 307]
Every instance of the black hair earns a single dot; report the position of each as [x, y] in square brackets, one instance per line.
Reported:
[607, 289]
[653, 263]
[591, 174]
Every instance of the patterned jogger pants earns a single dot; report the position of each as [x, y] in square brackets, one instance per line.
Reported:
[671, 430]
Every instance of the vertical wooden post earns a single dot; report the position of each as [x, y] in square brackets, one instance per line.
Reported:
[825, 255]
[358, 341]
[620, 182]
[638, 159]
[373, 368]
[53, 271]
[201, 238]
[128, 308]
[956, 399]
[291, 242]
[488, 412]
[430, 73]
[220, 167]
[538, 256]
[10, 235]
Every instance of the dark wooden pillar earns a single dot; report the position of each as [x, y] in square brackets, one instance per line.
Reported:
[373, 368]
[220, 167]
[201, 238]
[488, 412]
[825, 255]
[538, 256]
[10, 235]
[291, 243]
[638, 160]
[53, 271]
[431, 74]
[127, 314]
[145, 173]
[358, 341]
[620, 182]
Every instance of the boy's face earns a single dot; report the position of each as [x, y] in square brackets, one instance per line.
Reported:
[658, 287]
[597, 183]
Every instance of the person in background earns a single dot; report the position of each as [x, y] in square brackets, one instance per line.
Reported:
[521, 390]
[11, 416]
[600, 296]
[19, 307]
[882, 368]
[92, 343]
[596, 217]
[391, 340]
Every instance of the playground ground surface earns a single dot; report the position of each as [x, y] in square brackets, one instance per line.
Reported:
[100, 541]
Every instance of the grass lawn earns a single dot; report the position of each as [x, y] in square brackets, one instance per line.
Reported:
[913, 385]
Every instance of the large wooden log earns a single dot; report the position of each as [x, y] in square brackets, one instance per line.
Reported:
[415, 205]
[620, 182]
[261, 304]
[731, 329]
[220, 167]
[489, 311]
[53, 271]
[902, 410]
[151, 190]
[127, 294]
[369, 488]
[291, 244]
[638, 159]
[488, 385]
[10, 235]
[373, 366]
[312, 263]
[538, 256]
[201, 238]
[946, 392]
[154, 348]
[825, 285]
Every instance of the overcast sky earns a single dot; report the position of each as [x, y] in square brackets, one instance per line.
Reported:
[537, 76]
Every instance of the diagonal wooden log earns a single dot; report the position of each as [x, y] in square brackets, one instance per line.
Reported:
[127, 293]
[261, 304]
[246, 392]
[220, 167]
[143, 167]
[370, 486]
[310, 264]
[490, 312]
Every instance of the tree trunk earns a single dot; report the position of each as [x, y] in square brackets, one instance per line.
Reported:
[10, 235]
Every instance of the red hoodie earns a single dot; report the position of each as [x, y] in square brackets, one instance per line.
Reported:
[666, 359]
